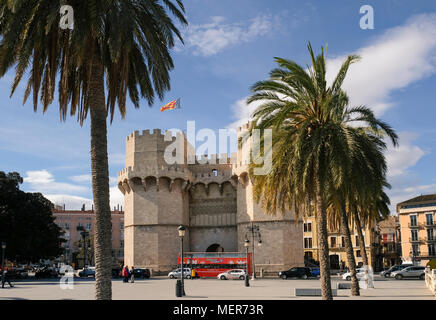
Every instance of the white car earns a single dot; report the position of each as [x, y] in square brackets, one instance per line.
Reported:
[232, 275]
[360, 274]
[175, 274]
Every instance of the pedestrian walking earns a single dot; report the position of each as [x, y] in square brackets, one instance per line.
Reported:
[125, 274]
[132, 274]
[6, 278]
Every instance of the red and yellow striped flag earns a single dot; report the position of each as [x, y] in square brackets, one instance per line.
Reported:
[175, 104]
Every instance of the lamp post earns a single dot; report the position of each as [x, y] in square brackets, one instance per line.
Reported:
[181, 230]
[255, 233]
[246, 245]
[3, 261]
[83, 233]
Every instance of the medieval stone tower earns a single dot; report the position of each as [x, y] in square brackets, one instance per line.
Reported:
[212, 197]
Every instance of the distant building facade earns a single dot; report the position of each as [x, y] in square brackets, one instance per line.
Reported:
[69, 220]
[212, 197]
[390, 241]
[417, 220]
[336, 241]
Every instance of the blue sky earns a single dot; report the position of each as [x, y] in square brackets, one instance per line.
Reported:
[229, 45]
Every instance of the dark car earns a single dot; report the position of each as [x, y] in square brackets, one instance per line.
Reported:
[45, 272]
[116, 272]
[87, 272]
[296, 272]
[141, 273]
[315, 272]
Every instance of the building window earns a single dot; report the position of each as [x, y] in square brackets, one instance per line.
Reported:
[415, 249]
[414, 235]
[307, 243]
[429, 219]
[357, 241]
[307, 227]
[333, 242]
[431, 249]
[88, 226]
[67, 226]
[215, 172]
[358, 253]
[343, 242]
[122, 225]
[413, 221]
[430, 234]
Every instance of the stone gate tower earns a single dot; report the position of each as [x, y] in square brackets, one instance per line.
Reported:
[212, 197]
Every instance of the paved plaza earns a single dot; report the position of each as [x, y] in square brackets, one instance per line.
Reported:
[162, 288]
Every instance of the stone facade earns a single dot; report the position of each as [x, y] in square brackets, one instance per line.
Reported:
[212, 197]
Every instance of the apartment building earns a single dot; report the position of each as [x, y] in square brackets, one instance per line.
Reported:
[390, 241]
[74, 222]
[417, 221]
[338, 256]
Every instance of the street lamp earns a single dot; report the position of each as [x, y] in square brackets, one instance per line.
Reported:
[246, 245]
[182, 230]
[255, 233]
[3, 261]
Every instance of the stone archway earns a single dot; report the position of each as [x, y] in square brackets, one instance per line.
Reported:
[215, 248]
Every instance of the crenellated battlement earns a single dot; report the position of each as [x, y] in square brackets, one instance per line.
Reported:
[154, 134]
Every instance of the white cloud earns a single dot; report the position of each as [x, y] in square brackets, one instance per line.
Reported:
[394, 60]
[403, 157]
[212, 38]
[44, 182]
[242, 112]
[81, 178]
[397, 58]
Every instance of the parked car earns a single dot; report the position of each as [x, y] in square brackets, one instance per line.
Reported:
[46, 272]
[116, 272]
[398, 267]
[232, 275]
[315, 272]
[360, 274]
[176, 273]
[296, 272]
[87, 272]
[17, 273]
[143, 273]
[409, 272]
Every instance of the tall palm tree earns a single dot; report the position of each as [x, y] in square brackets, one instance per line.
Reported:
[116, 47]
[311, 141]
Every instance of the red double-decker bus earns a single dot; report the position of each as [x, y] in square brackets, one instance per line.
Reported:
[211, 264]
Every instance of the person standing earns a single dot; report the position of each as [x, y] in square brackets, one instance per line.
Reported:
[125, 274]
[132, 274]
[6, 278]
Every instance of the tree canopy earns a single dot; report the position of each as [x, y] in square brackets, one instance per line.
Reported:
[26, 222]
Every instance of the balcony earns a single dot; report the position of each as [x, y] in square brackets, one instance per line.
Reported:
[416, 240]
[430, 255]
[414, 225]
[431, 239]
[430, 224]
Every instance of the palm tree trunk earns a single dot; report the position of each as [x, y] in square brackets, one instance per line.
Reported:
[100, 184]
[323, 247]
[361, 245]
[345, 230]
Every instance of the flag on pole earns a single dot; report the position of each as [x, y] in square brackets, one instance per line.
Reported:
[175, 104]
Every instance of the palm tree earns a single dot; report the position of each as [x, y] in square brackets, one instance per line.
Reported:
[116, 47]
[312, 145]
